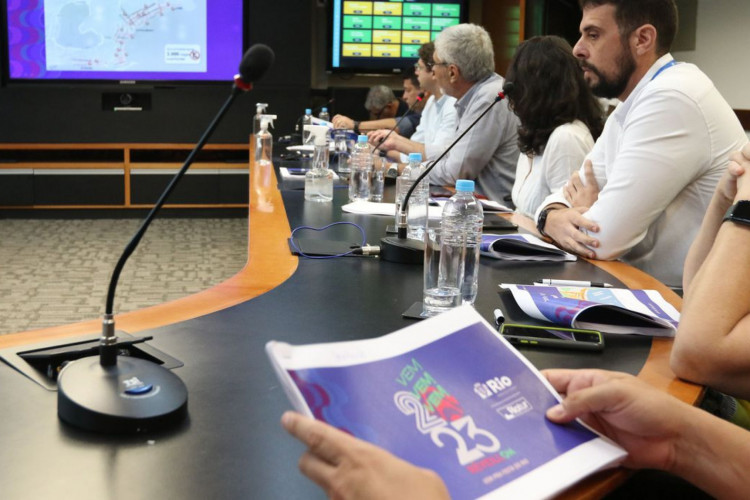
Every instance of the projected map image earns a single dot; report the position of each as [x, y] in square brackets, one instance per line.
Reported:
[125, 35]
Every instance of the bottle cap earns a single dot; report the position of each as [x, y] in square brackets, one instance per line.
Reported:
[415, 157]
[361, 138]
[308, 111]
[465, 185]
[324, 110]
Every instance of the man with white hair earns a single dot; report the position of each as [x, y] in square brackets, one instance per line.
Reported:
[463, 66]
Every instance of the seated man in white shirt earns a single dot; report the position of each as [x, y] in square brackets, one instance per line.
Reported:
[439, 119]
[643, 191]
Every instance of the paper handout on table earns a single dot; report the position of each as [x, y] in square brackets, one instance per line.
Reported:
[450, 394]
[297, 175]
[610, 310]
[374, 208]
[521, 247]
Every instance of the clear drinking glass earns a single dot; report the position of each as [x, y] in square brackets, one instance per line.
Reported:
[379, 166]
[438, 296]
[342, 150]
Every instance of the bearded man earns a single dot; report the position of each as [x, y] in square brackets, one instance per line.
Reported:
[643, 190]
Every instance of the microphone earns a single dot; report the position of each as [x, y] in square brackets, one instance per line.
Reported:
[407, 251]
[114, 394]
[255, 63]
[420, 96]
[330, 101]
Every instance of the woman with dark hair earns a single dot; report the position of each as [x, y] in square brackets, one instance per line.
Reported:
[560, 118]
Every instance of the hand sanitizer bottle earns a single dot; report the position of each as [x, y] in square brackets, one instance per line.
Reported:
[264, 142]
[319, 180]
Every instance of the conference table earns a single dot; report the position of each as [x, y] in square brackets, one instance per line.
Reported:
[231, 445]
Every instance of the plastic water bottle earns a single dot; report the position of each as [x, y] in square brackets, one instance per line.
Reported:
[361, 164]
[306, 120]
[324, 115]
[417, 211]
[461, 229]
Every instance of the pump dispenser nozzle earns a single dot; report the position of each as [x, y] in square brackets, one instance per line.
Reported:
[260, 109]
[266, 120]
[319, 134]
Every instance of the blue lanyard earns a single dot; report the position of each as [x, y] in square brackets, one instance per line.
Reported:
[668, 65]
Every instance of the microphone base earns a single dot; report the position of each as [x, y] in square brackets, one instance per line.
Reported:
[117, 399]
[402, 250]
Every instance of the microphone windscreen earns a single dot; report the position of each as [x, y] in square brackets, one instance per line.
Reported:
[256, 62]
[508, 88]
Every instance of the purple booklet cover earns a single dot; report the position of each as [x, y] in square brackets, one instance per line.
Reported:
[611, 310]
[521, 247]
[464, 404]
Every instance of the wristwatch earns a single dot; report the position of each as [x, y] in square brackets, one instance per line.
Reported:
[542, 220]
[739, 213]
[356, 127]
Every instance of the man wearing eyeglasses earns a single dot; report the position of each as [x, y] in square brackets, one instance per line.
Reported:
[464, 63]
[436, 129]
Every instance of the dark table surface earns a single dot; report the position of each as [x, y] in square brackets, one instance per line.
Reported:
[232, 445]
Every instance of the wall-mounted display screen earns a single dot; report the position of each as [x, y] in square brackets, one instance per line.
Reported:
[122, 40]
[369, 36]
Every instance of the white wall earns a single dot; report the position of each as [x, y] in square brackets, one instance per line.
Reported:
[722, 48]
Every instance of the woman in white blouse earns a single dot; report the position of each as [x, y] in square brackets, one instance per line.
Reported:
[560, 118]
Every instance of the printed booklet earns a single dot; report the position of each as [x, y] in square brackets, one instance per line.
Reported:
[450, 394]
[521, 247]
[609, 310]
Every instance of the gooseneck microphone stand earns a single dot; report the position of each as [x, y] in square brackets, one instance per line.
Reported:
[116, 394]
[406, 250]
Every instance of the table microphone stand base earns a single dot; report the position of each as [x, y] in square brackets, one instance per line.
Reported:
[133, 395]
[402, 250]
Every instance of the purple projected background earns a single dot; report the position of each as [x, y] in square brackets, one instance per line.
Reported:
[27, 53]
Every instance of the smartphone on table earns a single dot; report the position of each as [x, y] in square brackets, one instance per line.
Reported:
[553, 336]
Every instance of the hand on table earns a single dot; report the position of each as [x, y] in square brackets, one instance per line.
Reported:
[377, 139]
[347, 467]
[341, 121]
